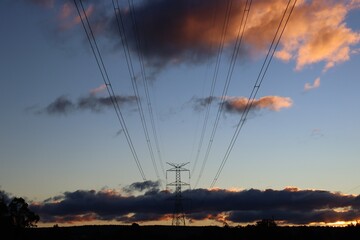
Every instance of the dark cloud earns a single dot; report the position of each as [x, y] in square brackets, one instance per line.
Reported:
[165, 32]
[105, 205]
[191, 31]
[292, 206]
[141, 186]
[177, 31]
[200, 103]
[96, 104]
[63, 105]
[257, 200]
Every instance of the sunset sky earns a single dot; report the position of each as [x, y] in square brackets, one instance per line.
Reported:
[259, 97]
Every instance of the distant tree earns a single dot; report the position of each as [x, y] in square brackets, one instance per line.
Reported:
[266, 223]
[20, 214]
[135, 225]
[357, 224]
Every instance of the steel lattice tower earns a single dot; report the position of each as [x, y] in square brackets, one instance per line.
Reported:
[178, 216]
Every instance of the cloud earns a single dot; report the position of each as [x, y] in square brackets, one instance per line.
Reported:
[190, 31]
[99, 89]
[200, 103]
[105, 205]
[273, 103]
[317, 133]
[63, 105]
[309, 86]
[179, 31]
[355, 51]
[312, 36]
[291, 206]
[141, 186]
[96, 104]
[68, 16]
[238, 104]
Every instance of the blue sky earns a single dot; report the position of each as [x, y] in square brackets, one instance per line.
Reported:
[302, 130]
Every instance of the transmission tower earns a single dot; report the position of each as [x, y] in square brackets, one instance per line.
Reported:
[178, 215]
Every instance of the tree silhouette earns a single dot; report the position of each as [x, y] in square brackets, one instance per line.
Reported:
[21, 215]
[266, 223]
[17, 214]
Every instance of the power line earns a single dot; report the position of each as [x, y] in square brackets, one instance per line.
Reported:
[236, 49]
[96, 52]
[145, 81]
[130, 66]
[211, 47]
[214, 78]
[256, 87]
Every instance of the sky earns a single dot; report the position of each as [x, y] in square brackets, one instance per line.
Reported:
[257, 98]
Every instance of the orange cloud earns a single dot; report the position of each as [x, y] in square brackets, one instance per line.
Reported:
[317, 32]
[188, 30]
[291, 189]
[274, 103]
[309, 86]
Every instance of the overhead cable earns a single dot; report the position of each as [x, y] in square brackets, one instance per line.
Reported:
[281, 28]
[234, 55]
[214, 79]
[100, 63]
[130, 66]
[145, 81]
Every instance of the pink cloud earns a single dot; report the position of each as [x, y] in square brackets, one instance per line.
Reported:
[309, 86]
[99, 89]
[317, 33]
[273, 103]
